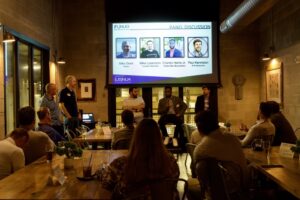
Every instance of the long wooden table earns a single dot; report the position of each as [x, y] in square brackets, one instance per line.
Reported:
[31, 181]
[287, 176]
[94, 137]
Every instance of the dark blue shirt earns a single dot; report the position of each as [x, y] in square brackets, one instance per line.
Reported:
[51, 132]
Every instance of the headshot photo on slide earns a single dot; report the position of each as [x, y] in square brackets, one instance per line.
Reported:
[198, 47]
[125, 47]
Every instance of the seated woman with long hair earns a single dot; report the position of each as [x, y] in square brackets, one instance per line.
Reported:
[147, 161]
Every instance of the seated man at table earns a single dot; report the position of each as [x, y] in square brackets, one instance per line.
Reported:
[45, 125]
[126, 132]
[283, 129]
[11, 153]
[171, 110]
[216, 144]
[38, 140]
[262, 128]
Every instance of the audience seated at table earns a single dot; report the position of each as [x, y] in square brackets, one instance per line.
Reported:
[283, 129]
[148, 160]
[45, 125]
[216, 144]
[263, 126]
[124, 134]
[11, 153]
[38, 140]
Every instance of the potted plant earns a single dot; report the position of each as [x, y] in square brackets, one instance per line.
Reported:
[70, 150]
[296, 149]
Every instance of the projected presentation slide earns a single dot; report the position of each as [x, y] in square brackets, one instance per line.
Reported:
[145, 53]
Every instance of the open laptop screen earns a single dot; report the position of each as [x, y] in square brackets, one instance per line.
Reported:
[88, 117]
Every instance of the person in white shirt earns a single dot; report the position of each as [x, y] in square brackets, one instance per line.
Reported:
[135, 104]
[11, 154]
[263, 127]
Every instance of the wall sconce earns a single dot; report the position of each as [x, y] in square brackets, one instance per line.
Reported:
[60, 60]
[8, 37]
[266, 57]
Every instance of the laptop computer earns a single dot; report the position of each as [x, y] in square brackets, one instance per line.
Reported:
[88, 118]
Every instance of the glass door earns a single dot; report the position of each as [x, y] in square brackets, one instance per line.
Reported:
[25, 71]
[37, 78]
[9, 83]
[23, 74]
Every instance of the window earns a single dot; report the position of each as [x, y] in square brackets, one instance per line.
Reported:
[26, 72]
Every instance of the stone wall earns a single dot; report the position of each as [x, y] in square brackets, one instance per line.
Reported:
[84, 47]
[32, 18]
[282, 24]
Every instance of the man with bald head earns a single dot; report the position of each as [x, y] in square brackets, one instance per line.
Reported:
[126, 50]
[48, 100]
[68, 103]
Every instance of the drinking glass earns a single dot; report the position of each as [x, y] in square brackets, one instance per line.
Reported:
[49, 152]
[87, 167]
[267, 148]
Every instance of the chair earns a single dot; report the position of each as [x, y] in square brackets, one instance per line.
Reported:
[188, 130]
[220, 179]
[190, 151]
[121, 144]
[297, 133]
[69, 135]
[157, 189]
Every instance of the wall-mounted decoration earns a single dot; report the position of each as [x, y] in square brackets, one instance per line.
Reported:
[86, 90]
[238, 80]
[274, 86]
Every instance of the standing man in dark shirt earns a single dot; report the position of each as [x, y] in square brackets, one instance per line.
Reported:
[68, 103]
[205, 101]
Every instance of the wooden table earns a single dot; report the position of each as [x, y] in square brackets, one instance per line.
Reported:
[287, 176]
[94, 137]
[31, 181]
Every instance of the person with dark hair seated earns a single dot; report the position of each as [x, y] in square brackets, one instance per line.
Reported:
[263, 127]
[283, 129]
[38, 140]
[215, 144]
[45, 125]
[124, 134]
[148, 161]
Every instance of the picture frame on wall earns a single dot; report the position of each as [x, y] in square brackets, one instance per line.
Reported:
[274, 86]
[86, 90]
